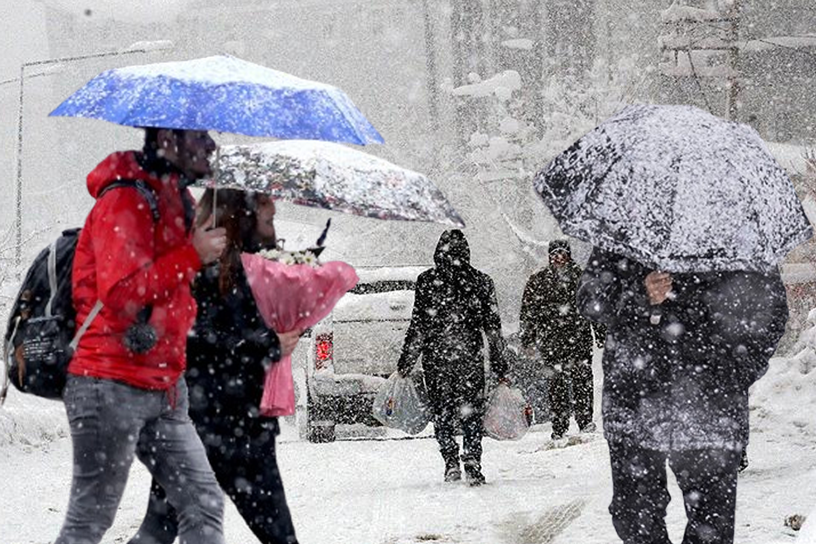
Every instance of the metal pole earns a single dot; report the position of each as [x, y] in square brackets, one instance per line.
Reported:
[18, 223]
[733, 57]
[430, 66]
[18, 250]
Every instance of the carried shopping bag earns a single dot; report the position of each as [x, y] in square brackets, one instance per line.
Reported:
[401, 403]
[508, 414]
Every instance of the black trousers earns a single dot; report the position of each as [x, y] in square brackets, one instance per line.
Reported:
[707, 478]
[247, 470]
[470, 414]
[580, 374]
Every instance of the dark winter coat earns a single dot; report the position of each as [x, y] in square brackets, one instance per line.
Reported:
[454, 305]
[128, 262]
[681, 384]
[228, 353]
[550, 321]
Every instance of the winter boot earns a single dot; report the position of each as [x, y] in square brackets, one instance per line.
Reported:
[743, 460]
[473, 474]
[589, 427]
[452, 471]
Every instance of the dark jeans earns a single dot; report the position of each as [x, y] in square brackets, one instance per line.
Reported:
[247, 469]
[707, 478]
[580, 374]
[470, 414]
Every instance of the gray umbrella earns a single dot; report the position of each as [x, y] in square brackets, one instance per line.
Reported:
[334, 177]
[677, 189]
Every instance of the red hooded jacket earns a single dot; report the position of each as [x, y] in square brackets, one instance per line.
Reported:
[128, 262]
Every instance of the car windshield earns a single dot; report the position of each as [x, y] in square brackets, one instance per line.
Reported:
[382, 287]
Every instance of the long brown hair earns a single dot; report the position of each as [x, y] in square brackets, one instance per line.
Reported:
[236, 212]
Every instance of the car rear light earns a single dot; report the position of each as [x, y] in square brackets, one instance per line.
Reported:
[324, 346]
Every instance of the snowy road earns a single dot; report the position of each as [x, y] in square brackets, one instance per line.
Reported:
[390, 491]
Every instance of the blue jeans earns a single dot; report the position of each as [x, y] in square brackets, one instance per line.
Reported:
[110, 424]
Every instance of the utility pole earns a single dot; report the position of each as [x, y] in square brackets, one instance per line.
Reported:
[733, 60]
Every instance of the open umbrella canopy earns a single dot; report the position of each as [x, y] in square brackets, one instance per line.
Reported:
[676, 189]
[333, 177]
[221, 93]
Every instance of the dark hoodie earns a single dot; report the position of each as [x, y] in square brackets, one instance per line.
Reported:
[454, 304]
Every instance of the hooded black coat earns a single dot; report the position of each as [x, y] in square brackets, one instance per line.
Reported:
[454, 305]
[228, 352]
[681, 384]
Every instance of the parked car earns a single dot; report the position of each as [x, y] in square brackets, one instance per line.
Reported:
[351, 353]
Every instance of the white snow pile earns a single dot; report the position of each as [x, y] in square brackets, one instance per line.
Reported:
[780, 397]
[783, 401]
[677, 13]
[519, 43]
[502, 85]
[26, 420]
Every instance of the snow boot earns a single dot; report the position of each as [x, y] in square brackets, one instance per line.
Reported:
[452, 471]
[473, 474]
[589, 427]
[743, 460]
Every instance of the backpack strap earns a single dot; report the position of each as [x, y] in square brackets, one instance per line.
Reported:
[88, 320]
[52, 276]
[150, 196]
[144, 189]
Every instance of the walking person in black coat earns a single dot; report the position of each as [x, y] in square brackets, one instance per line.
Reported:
[228, 353]
[454, 305]
[554, 332]
[681, 352]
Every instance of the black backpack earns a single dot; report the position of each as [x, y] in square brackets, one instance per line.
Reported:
[41, 334]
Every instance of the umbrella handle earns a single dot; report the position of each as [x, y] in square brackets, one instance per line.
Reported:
[322, 239]
[215, 187]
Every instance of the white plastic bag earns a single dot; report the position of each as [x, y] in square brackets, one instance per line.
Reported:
[507, 414]
[401, 404]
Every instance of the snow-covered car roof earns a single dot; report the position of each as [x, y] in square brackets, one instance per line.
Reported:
[390, 273]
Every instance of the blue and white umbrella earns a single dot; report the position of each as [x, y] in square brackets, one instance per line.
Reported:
[224, 94]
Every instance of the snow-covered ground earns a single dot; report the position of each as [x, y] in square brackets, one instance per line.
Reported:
[389, 490]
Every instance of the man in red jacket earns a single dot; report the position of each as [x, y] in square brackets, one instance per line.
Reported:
[125, 400]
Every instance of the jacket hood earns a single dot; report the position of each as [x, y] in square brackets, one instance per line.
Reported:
[452, 251]
[559, 245]
[123, 165]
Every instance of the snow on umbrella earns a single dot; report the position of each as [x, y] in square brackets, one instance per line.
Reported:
[676, 189]
[334, 177]
[221, 93]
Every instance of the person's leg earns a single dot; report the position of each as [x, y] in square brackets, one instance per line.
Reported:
[172, 451]
[581, 373]
[472, 417]
[444, 428]
[160, 524]
[639, 494]
[708, 479]
[559, 403]
[251, 478]
[104, 416]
